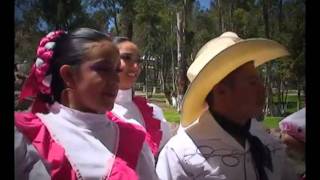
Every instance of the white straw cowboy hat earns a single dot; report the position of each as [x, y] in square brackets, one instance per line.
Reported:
[215, 60]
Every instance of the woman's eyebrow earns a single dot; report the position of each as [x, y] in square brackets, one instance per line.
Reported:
[130, 53]
[102, 61]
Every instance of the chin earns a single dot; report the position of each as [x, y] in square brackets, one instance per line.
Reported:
[109, 107]
[126, 86]
[104, 109]
[258, 115]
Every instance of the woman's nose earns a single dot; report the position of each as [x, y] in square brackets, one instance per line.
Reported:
[135, 65]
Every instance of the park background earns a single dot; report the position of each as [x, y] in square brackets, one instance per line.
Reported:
[169, 33]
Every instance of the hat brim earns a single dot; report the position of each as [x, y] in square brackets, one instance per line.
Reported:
[258, 50]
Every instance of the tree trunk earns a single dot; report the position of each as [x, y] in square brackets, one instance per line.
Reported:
[280, 16]
[299, 97]
[112, 4]
[173, 66]
[268, 106]
[156, 69]
[146, 70]
[163, 82]
[231, 15]
[266, 17]
[221, 21]
[280, 97]
[182, 79]
[269, 94]
[127, 19]
[130, 30]
[162, 78]
[116, 24]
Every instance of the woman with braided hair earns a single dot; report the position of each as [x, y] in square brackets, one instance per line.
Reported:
[66, 135]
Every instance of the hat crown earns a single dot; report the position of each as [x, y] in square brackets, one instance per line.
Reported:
[229, 34]
[210, 50]
[215, 60]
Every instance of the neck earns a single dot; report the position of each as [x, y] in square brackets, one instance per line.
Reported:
[236, 130]
[64, 98]
[68, 99]
[232, 117]
[124, 96]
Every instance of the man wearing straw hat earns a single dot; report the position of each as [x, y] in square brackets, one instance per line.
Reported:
[222, 139]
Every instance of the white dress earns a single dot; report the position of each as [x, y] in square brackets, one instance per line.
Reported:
[128, 110]
[205, 151]
[89, 140]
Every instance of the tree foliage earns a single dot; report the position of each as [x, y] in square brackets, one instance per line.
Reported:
[152, 24]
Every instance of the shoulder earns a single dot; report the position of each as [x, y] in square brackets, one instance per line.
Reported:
[28, 163]
[157, 112]
[24, 116]
[276, 147]
[130, 131]
[117, 108]
[155, 107]
[129, 127]
[143, 100]
[20, 143]
[27, 122]
[31, 125]
[258, 130]
[180, 144]
[27, 128]
[140, 99]
[24, 150]
[182, 158]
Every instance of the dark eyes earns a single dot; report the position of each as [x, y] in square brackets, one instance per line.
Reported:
[130, 58]
[105, 69]
[125, 57]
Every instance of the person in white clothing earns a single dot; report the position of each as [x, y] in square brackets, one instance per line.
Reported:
[221, 138]
[67, 135]
[293, 131]
[136, 109]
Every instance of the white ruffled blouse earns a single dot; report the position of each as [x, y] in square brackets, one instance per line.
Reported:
[128, 110]
[89, 140]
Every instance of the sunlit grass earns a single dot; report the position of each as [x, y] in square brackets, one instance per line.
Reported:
[173, 116]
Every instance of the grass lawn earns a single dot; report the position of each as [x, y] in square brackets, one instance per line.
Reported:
[174, 117]
[271, 122]
[292, 103]
[268, 122]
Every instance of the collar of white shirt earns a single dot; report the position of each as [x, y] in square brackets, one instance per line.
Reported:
[124, 96]
[207, 129]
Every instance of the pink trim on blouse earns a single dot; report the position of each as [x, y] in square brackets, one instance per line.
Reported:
[126, 158]
[32, 127]
[153, 125]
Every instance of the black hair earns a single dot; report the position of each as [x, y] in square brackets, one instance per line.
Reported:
[120, 39]
[70, 49]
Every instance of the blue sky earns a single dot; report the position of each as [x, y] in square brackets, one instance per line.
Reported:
[204, 3]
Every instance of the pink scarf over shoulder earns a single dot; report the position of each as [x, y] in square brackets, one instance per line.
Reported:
[126, 158]
[152, 125]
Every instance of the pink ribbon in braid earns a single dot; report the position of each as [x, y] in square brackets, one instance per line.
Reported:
[38, 80]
